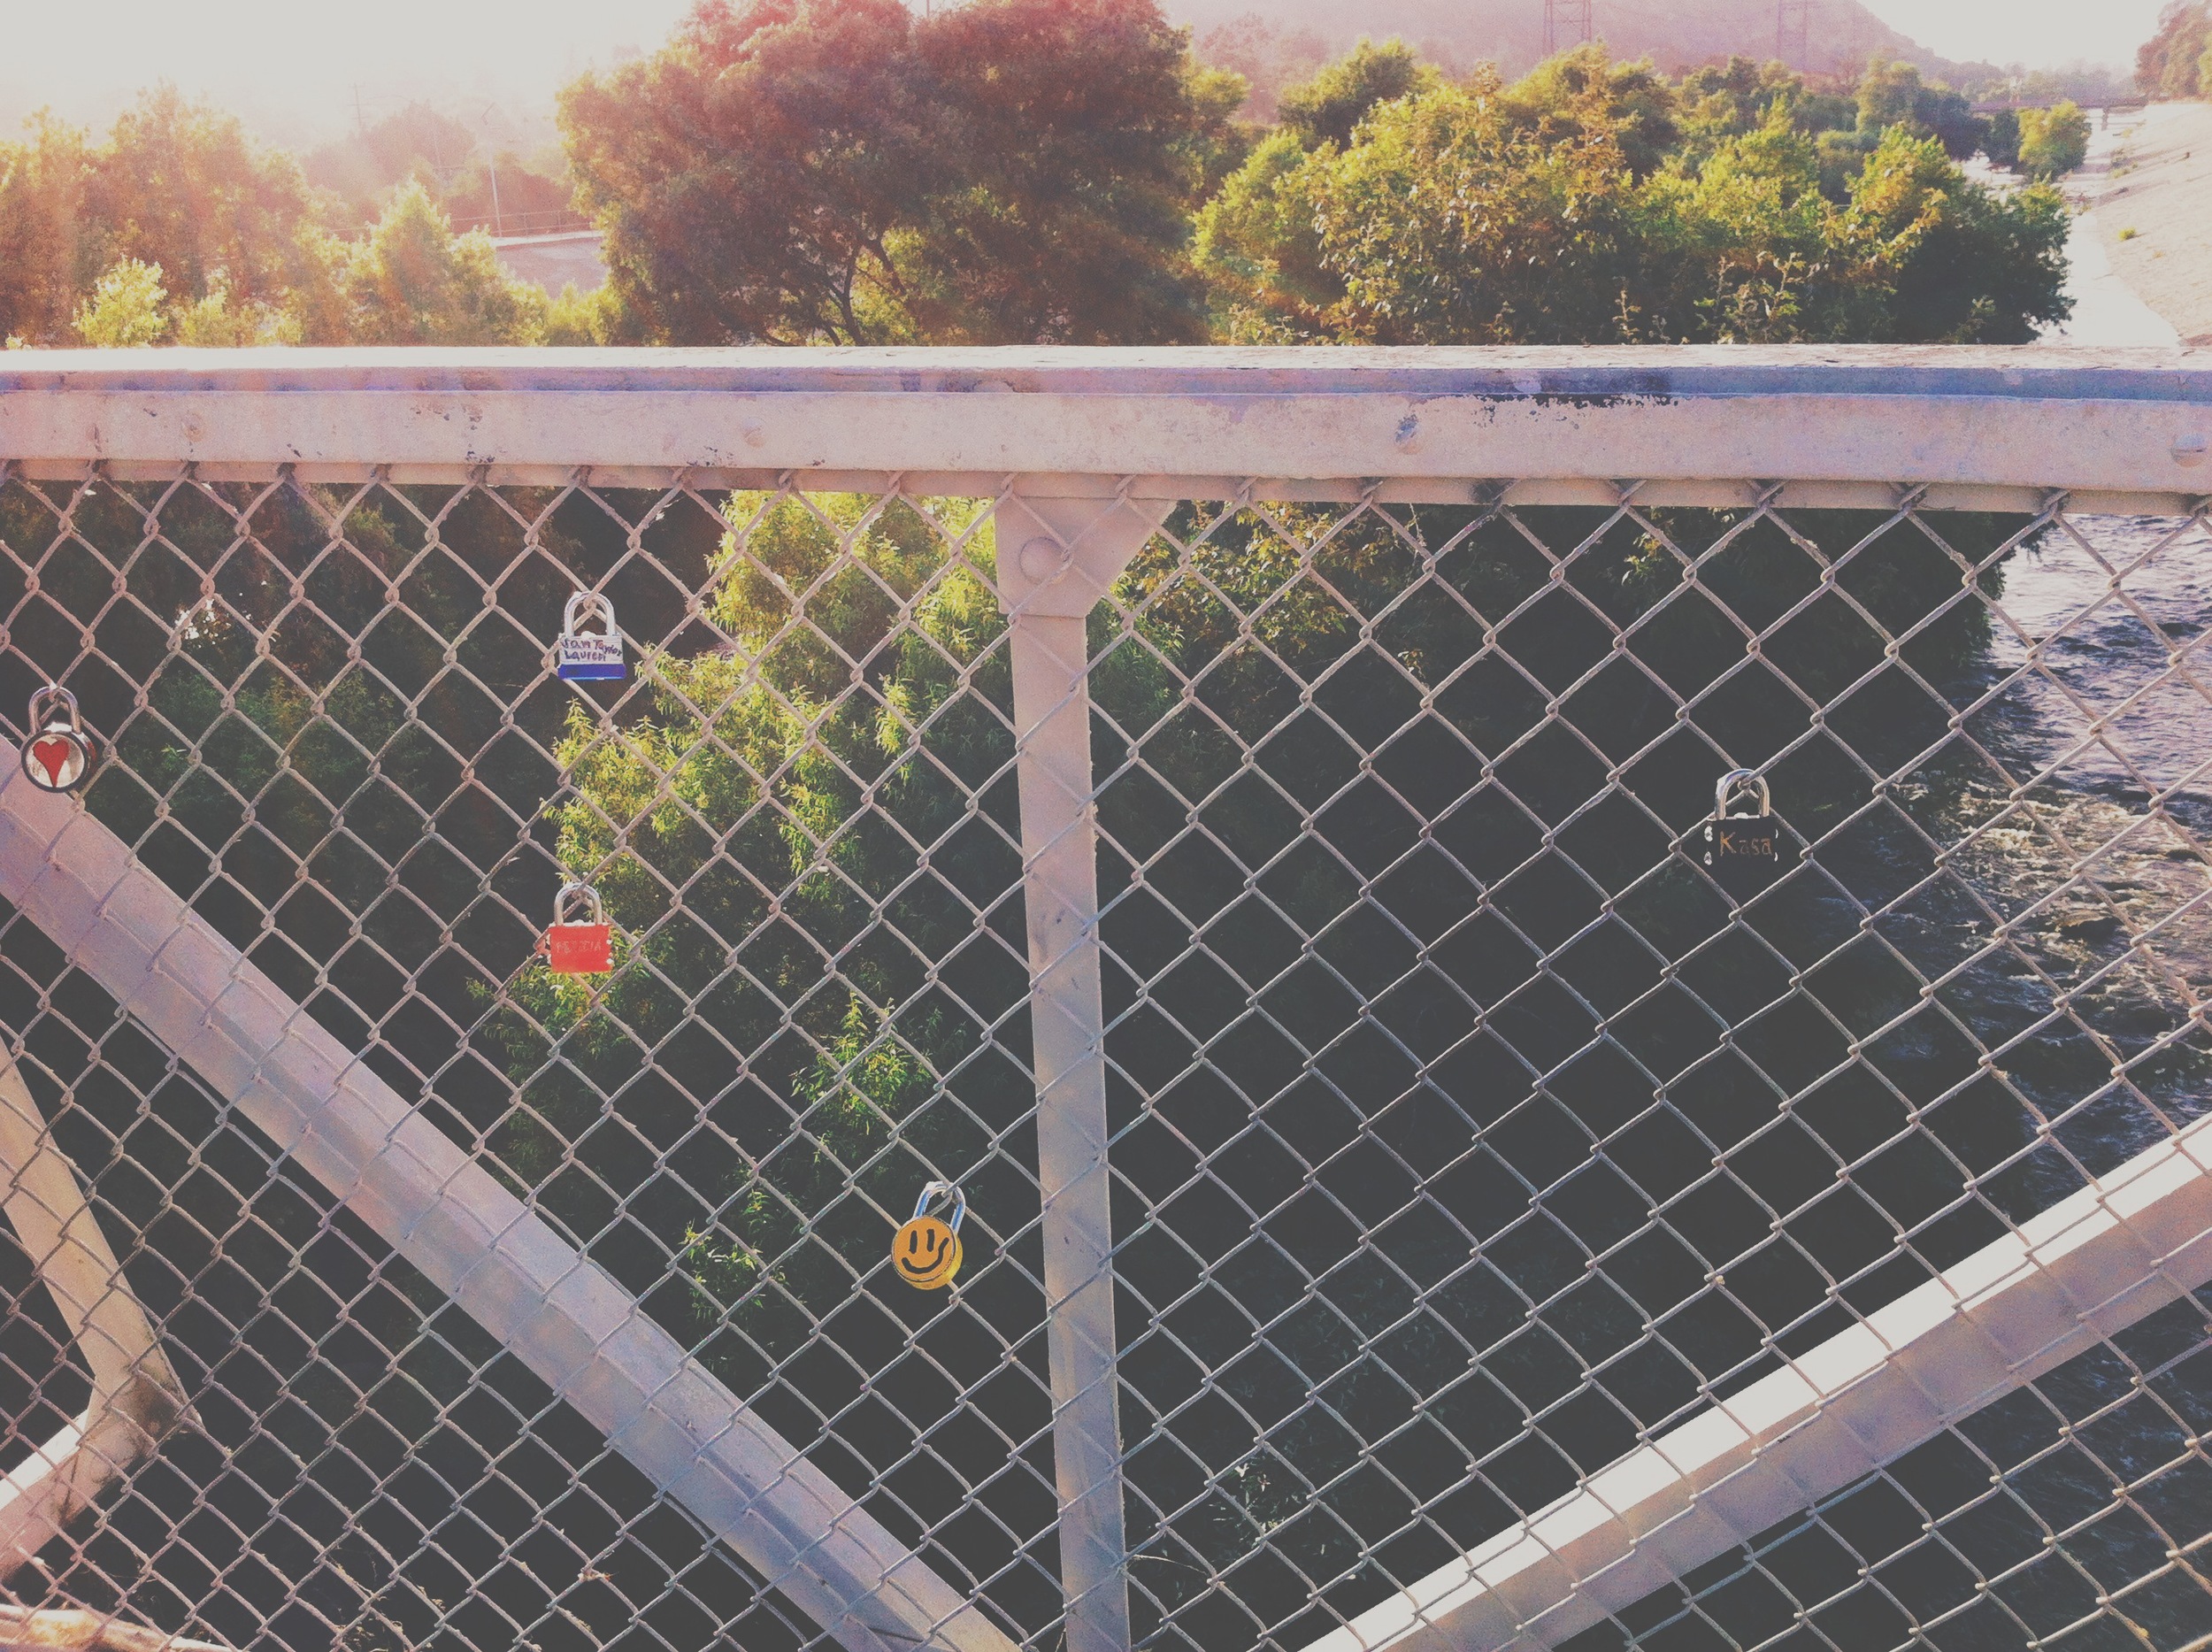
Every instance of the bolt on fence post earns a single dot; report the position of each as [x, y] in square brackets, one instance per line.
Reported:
[1056, 558]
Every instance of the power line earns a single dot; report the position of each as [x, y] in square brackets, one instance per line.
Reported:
[1793, 25]
[1566, 23]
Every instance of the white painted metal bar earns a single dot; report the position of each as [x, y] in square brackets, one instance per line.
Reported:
[560, 1314]
[1057, 557]
[2036, 418]
[2092, 1264]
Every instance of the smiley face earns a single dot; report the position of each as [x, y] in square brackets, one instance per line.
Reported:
[926, 1253]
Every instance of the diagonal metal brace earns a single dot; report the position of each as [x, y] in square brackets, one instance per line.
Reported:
[558, 1312]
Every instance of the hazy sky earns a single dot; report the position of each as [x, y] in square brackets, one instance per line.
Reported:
[293, 68]
[2039, 33]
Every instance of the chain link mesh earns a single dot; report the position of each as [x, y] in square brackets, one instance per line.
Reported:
[1468, 1131]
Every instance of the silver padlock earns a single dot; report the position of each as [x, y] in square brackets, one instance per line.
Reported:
[1743, 851]
[58, 755]
[582, 656]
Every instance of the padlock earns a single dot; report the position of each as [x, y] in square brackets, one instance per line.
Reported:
[1743, 851]
[585, 948]
[925, 1249]
[58, 756]
[582, 656]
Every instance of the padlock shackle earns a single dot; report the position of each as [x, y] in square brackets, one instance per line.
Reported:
[584, 606]
[54, 694]
[930, 1190]
[1741, 780]
[595, 912]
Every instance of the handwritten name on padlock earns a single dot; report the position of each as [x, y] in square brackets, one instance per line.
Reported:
[580, 940]
[1740, 836]
[925, 1249]
[58, 755]
[1743, 851]
[585, 656]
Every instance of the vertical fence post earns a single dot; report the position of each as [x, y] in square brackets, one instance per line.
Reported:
[1056, 558]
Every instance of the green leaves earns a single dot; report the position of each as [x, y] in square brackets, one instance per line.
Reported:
[1574, 208]
[842, 172]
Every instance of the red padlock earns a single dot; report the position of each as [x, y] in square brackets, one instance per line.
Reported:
[573, 947]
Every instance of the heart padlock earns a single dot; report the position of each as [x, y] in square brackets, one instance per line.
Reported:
[1743, 851]
[582, 656]
[59, 756]
[579, 948]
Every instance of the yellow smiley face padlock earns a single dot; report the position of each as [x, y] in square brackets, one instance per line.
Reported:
[926, 1250]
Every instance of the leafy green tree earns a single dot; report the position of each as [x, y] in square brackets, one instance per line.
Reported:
[2002, 143]
[219, 321]
[1465, 216]
[128, 309]
[1583, 91]
[1963, 264]
[2053, 142]
[840, 170]
[411, 280]
[1888, 93]
[1255, 246]
[1733, 100]
[1067, 201]
[1325, 109]
[1892, 95]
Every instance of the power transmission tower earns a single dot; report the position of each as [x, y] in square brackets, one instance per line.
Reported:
[1793, 30]
[1566, 23]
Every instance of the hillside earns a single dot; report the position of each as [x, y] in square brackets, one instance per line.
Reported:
[1676, 33]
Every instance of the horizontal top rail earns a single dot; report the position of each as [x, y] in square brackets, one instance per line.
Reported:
[2135, 425]
[2068, 372]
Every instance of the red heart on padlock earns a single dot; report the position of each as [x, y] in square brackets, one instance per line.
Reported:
[53, 756]
[579, 948]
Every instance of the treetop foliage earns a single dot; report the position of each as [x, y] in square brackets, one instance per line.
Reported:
[2177, 60]
[842, 171]
[1592, 201]
[805, 171]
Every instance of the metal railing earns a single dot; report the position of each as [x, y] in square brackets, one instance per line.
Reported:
[1240, 819]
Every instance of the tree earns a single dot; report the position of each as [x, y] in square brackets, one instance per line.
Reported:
[1962, 265]
[2166, 65]
[2002, 143]
[1067, 197]
[179, 184]
[1892, 95]
[48, 256]
[411, 280]
[2053, 142]
[1466, 215]
[127, 310]
[1325, 109]
[1583, 90]
[1733, 100]
[840, 170]
[176, 184]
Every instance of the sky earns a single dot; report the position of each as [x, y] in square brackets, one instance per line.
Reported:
[295, 70]
[2041, 34]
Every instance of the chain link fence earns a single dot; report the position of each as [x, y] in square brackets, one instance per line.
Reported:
[1469, 1132]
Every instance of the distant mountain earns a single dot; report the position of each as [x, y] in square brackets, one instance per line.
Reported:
[1840, 35]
